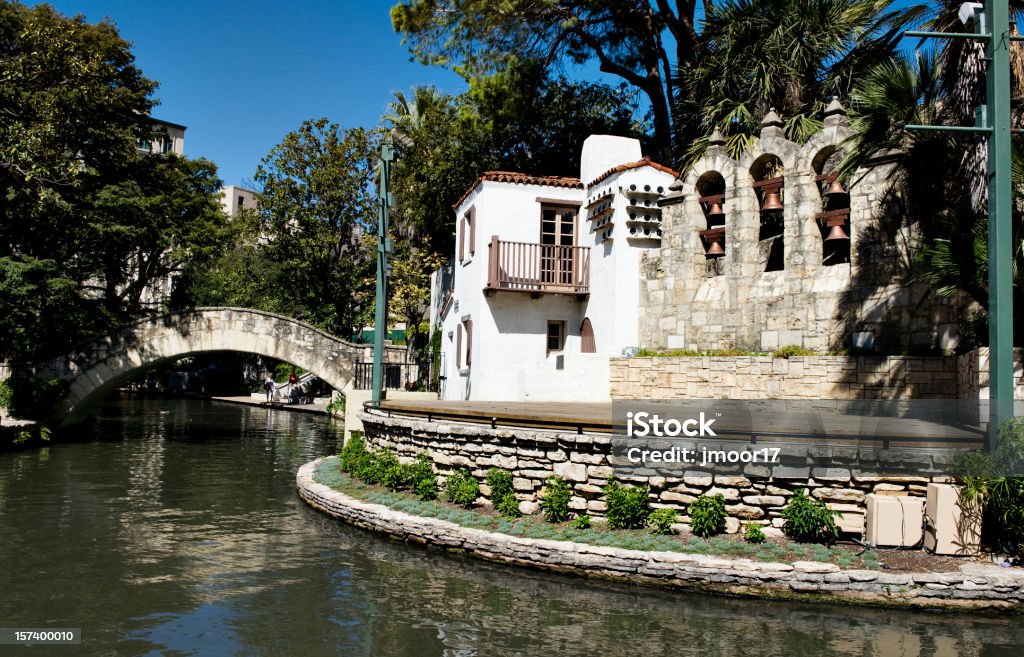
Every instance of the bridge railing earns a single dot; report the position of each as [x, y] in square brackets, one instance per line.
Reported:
[397, 376]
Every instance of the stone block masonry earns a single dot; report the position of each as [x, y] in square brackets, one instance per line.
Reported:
[974, 587]
[753, 493]
[807, 377]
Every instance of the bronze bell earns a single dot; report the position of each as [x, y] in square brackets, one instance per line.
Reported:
[715, 249]
[837, 233]
[772, 200]
[835, 188]
[716, 210]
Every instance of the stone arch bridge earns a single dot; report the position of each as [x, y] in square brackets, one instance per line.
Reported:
[96, 369]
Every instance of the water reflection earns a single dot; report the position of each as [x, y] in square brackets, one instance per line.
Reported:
[177, 531]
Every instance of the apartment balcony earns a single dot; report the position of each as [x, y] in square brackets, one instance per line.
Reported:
[537, 269]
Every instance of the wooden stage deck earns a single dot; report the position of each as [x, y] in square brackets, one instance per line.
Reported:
[779, 426]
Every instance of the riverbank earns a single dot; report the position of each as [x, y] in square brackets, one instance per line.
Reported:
[314, 408]
[973, 587]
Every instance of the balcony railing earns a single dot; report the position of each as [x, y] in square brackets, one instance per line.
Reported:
[538, 268]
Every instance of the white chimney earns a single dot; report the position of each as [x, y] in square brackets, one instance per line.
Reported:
[602, 152]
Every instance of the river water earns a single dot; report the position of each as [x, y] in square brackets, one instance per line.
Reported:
[174, 528]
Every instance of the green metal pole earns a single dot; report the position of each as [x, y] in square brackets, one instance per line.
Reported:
[1000, 247]
[380, 319]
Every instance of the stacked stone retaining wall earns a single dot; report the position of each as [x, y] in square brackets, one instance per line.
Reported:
[840, 476]
[974, 587]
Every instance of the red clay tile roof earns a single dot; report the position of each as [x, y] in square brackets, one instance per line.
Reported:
[646, 162]
[520, 179]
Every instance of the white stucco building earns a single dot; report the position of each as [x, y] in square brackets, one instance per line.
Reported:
[545, 280]
[167, 138]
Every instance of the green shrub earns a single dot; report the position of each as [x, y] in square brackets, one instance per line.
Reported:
[424, 481]
[503, 493]
[554, 501]
[994, 489]
[461, 488]
[628, 506]
[792, 350]
[661, 521]
[753, 533]
[727, 352]
[672, 353]
[393, 473]
[353, 454]
[371, 467]
[809, 520]
[581, 522]
[707, 515]
[26, 396]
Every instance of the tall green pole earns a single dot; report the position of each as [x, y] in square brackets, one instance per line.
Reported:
[380, 319]
[1000, 246]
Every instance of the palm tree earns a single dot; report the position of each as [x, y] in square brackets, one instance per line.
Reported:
[939, 180]
[788, 54]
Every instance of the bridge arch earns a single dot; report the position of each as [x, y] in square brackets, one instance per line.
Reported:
[95, 370]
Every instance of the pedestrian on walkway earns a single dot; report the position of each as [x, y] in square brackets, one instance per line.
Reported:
[268, 385]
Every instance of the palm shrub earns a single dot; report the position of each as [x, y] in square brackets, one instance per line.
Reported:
[554, 501]
[628, 506]
[503, 492]
[461, 488]
[707, 515]
[808, 520]
[993, 487]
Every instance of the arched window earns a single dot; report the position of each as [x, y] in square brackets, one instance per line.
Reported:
[834, 219]
[587, 343]
[769, 186]
[711, 195]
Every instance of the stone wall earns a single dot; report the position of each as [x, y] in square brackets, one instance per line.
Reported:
[798, 377]
[972, 374]
[692, 301]
[752, 493]
[974, 587]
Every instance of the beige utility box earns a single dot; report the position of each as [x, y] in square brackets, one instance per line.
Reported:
[950, 528]
[894, 521]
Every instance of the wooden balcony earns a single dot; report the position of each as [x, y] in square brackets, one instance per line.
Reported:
[537, 268]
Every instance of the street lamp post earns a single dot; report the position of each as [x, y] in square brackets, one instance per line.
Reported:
[380, 320]
[992, 26]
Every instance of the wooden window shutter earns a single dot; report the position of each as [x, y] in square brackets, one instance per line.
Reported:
[587, 343]
[462, 240]
[471, 219]
[458, 346]
[469, 343]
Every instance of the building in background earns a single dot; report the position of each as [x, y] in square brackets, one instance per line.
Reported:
[235, 199]
[165, 139]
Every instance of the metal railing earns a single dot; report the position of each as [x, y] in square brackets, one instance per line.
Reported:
[534, 267]
[397, 376]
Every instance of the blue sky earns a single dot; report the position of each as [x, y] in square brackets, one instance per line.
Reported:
[241, 75]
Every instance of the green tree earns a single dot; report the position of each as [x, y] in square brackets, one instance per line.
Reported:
[636, 40]
[938, 180]
[316, 208]
[86, 224]
[791, 55]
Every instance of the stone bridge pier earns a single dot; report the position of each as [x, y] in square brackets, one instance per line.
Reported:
[95, 370]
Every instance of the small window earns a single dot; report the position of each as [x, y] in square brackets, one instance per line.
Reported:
[556, 336]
